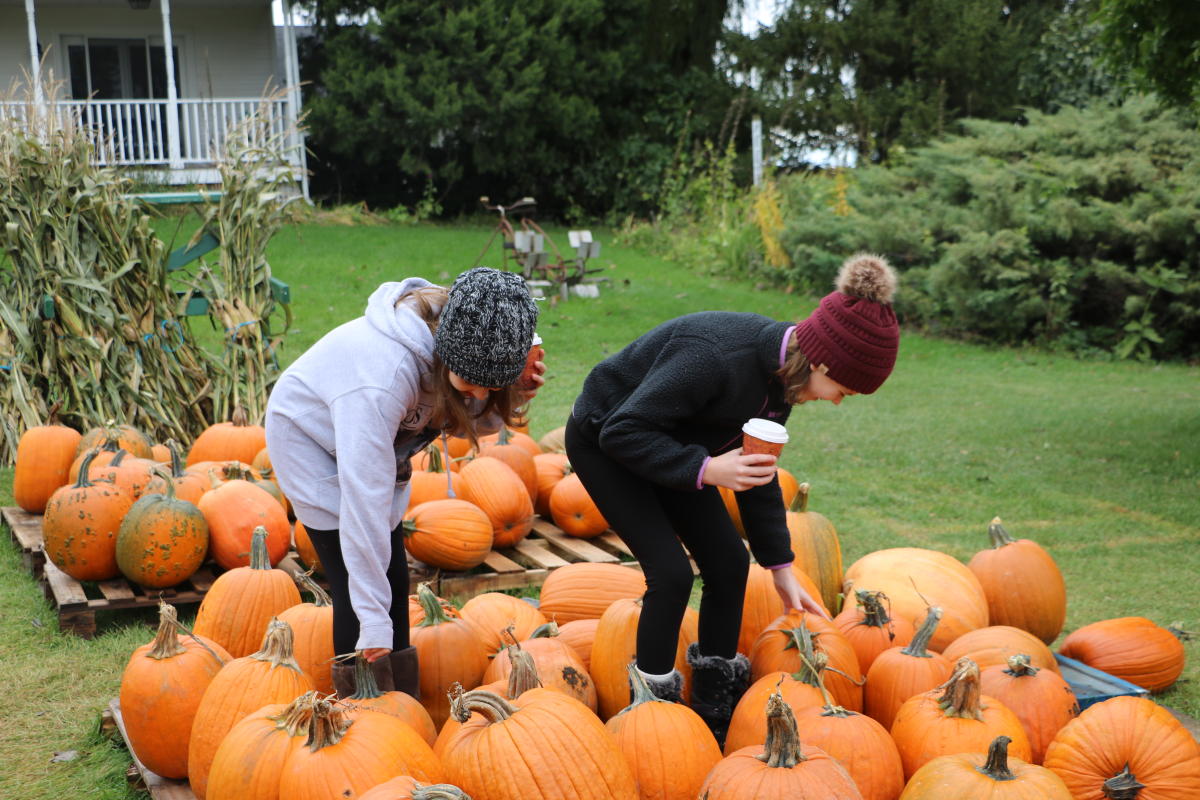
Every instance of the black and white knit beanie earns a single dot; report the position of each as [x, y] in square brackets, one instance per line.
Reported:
[486, 327]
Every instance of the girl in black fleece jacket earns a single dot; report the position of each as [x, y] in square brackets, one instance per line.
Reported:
[657, 429]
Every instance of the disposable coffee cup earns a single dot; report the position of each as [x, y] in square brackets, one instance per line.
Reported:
[536, 353]
[763, 436]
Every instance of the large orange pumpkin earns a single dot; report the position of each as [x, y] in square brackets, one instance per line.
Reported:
[954, 718]
[252, 756]
[576, 756]
[448, 534]
[995, 644]
[161, 689]
[368, 698]
[781, 767]
[503, 446]
[162, 539]
[558, 665]
[43, 463]
[1132, 648]
[780, 645]
[573, 509]
[234, 509]
[1023, 584]
[667, 745]
[312, 633]
[492, 485]
[490, 614]
[870, 629]
[969, 776]
[914, 578]
[237, 608]
[125, 472]
[763, 605]
[584, 590]
[449, 651]
[899, 673]
[1124, 748]
[236, 440]
[80, 526]
[816, 547]
[1040, 698]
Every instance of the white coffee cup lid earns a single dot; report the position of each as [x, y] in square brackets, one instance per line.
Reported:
[766, 430]
[536, 339]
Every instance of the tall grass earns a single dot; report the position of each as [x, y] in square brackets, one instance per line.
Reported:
[1098, 461]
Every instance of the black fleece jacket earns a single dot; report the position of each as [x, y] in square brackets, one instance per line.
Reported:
[679, 394]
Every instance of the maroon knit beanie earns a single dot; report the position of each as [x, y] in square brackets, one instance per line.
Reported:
[853, 331]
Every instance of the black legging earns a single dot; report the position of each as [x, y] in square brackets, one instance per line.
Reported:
[657, 522]
[345, 622]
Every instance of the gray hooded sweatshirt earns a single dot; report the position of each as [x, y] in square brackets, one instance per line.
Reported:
[342, 422]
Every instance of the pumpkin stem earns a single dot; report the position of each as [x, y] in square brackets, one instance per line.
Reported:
[999, 536]
[800, 501]
[504, 436]
[641, 689]
[1123, 785]
[83, 481]
[278, 646]
[875, 614]
[52, 414]
[296, 718]
[434, 614]
[782, 747]
[490, 705]
[523, 676]
[166, 641]
[168, 481]
[329, 724]
[1021, 665]
[118, 458]
[234, 470]
[818, 666]
[240, 418]
[962, 695]
[1180, 634]
[438, 791]
[510, 631]
[802, 639]
[321, 598]
[919, 646]
[259, 558]
[365, 685]
[996, 766]
[547, 631]
[177, 468]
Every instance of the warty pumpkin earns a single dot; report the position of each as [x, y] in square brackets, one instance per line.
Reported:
[1135, 649]
[493, 486]
[1023, 584]
[80, 525]
[449, 534]
[781, 767]
[584, 590]
[899, 673]
[1040, 698]
[1126, 748]
[125, 472]
[870, 629]
[43, 462]
[236, 440]
[162, 539]
[237, 608]
[667, 745]
[954, 718]
[969, 776]
[161, 688]
[312, 633]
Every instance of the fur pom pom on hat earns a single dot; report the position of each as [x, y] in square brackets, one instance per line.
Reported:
[853, 330]
[486, 327]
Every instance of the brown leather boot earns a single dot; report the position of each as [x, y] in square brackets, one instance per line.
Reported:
[343, 679]
[404, 671]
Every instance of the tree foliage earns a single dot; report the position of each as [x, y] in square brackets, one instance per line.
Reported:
[1160, 41]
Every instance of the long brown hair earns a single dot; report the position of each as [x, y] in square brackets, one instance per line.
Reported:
[794, 373]
[450, 411]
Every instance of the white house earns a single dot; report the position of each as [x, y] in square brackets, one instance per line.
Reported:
[161, 81]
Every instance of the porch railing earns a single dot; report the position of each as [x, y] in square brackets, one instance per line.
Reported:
[135, 132]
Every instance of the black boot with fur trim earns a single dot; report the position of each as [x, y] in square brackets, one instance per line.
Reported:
[717, 685]
[667, 687]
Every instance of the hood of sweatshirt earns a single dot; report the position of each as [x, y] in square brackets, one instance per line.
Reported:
[400, 322]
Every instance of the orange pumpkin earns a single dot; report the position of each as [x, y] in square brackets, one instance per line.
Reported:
[954, 718]
[43, 463]
[236, 440]
[1023, 584]
[234, 509]
[763, 605]
[641, 729]
[448, 650]
[449, 534]
[241, 602]
[870, 629]
[521, 679]
[312, 634]
[574, 511]
[800, 690]
[368, 698]
[125, 472]
[968, 776]
[492, 613]
[1132, 648]
[252, 756]
[782, 767]
[162, 540]
[434, 482]
[576, 756]
[493, 486]
[899, 673]
[161, 689]
[116, 437]
[789, 487]
[80, 526]
[995, 644]
[1040, 698]
[416, 611]
[816, 547]
[584, 590]
[504, 447]
[558, 665]
[1126, 747]
[779, 646]
[243, 686]
[551, 468]
[580, 634]
[189, 486]
[615, 647]
[304, 547]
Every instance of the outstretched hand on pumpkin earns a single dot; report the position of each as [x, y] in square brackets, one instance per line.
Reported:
[794, 595]
[739, 472]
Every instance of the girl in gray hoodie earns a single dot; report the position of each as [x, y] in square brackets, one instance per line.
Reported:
[345, 418]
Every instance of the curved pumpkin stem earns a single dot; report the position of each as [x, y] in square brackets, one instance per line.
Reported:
[1021, 665]
[818, 667]
[434, 614]
[490, 705]
[802, 639]
[329, 723]
[641, 689]
[83, 481]
[919, 646]
[278, 646]
[1123, 785]
[438, 791]
[118, 458]
[996, 766]
[504, 436]
[999, 536]
[547, 631]
[166, 641]
[259, 557]
[296, 718]
[177, 468]
[321, 598]
[782, 747]
[962, 695]
[800, 501]
[524, 675]
[168, 481]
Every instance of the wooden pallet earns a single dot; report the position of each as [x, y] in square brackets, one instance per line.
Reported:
[139, 774]
[525, 564]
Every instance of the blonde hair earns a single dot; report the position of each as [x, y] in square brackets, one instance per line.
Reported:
[450, 412]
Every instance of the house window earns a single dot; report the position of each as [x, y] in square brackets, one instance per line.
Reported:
[118, 69]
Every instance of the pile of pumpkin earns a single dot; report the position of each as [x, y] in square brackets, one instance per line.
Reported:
[113, 503]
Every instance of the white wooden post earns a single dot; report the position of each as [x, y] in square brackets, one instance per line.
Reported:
[756, 148]
[174, 154]
[292, 65]
[35, 63]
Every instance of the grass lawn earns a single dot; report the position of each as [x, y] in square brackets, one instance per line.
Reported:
[1097, 461]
